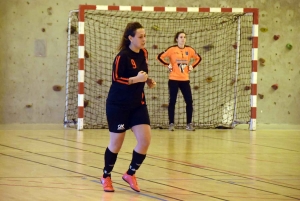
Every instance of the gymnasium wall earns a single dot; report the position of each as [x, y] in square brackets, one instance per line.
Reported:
[33, 57]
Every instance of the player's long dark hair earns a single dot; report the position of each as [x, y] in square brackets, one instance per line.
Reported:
[177, 34]
[129, 31]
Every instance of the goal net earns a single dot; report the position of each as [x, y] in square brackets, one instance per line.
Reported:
[222, 84]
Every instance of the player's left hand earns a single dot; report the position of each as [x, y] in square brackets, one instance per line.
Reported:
[151, 83]
[190, 68]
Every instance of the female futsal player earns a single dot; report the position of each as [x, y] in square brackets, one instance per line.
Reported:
[179, 57]
[126, 104]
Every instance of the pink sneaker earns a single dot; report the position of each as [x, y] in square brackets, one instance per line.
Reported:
[131, 180]
[107, 184]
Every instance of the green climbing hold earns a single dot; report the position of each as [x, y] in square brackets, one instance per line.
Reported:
[155, 27]
[289, 46]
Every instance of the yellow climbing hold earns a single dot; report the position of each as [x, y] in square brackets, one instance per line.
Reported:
[263, 30]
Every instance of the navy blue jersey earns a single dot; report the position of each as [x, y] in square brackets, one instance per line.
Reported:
[128, 64]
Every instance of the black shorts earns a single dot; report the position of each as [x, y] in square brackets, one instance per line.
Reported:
[121, 118]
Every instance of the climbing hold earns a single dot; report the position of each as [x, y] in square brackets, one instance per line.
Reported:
[86, 54]
[86, 103]
[155, 46]
[208, 47]
[165, 105]
[155, 27]
[73, 29]
[49, 10]
[57, 88]
[275, 86]
[289, 46]
[234, 80]
[100, 82]
[262, 61]
[246, 88]
[234, 46]
[276, 37]
[263, 30]
[209, 79]
[261, 96]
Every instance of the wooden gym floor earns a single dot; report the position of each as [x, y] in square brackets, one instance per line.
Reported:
[49, 162]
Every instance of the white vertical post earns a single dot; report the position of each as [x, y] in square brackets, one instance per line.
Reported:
[237, 60]
[66, 120]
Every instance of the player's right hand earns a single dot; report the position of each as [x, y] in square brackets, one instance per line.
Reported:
[142, 76]
[170, 68]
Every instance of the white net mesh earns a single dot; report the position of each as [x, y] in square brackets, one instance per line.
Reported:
[220, 87]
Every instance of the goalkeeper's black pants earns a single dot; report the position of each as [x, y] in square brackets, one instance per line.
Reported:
[185, 89]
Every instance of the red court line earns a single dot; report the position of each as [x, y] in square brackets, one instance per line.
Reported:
[258, 198]
[50, 187]
[225, 171]
[56, 183]
[269, 161]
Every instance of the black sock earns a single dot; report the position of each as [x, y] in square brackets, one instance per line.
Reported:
[109, 160]
[137, 160]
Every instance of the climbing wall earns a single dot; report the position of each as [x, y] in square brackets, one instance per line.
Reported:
[278, 69]
[33, 57]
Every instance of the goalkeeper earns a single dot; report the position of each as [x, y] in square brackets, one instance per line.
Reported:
[179, 57]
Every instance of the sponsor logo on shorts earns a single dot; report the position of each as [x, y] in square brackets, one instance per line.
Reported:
[121, 127]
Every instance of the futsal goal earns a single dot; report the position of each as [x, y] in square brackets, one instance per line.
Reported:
[224, 84]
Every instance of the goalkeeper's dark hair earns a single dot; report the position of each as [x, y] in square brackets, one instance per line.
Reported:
[130, 30]
[177, 34]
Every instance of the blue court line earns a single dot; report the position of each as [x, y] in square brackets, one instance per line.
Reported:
[146, 195]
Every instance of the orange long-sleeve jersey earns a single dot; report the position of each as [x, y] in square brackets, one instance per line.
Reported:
[180, 60]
